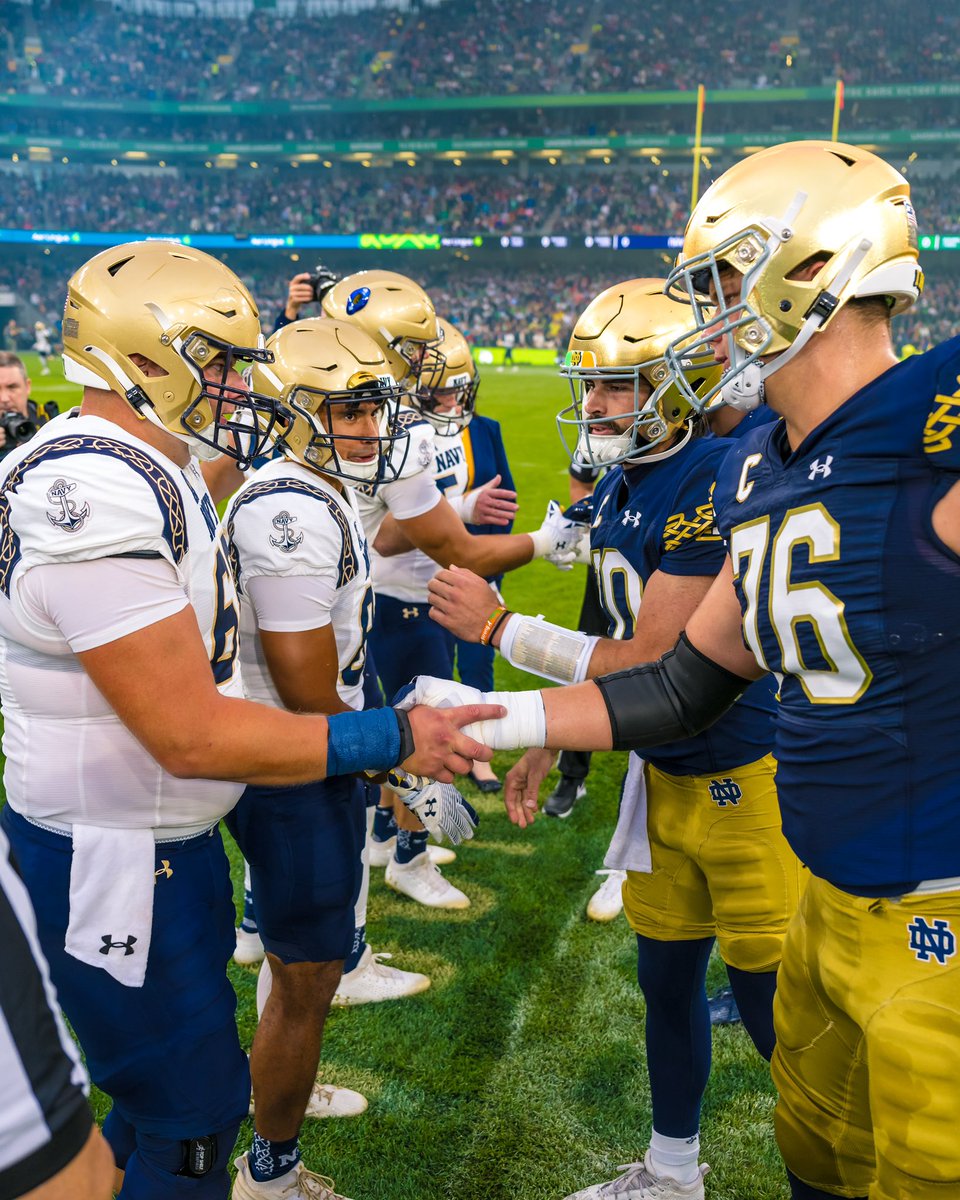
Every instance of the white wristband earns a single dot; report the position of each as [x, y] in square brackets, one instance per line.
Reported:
[524, 725]
[551, 651]
[542, 542]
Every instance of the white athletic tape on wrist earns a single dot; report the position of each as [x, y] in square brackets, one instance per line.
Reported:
[536, 645]
[524, 725]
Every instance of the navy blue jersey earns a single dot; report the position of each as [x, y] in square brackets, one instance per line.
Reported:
[751, 421]
[849, 595]
[659, 517]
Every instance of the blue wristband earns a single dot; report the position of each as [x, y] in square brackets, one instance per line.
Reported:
[363, 741]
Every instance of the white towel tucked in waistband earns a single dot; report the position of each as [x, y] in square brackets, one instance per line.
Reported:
[629, 848]
[111, 900]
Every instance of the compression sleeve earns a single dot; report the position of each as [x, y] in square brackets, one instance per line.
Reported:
[675, 698]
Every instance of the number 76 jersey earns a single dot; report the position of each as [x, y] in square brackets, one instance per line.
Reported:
[848, 595]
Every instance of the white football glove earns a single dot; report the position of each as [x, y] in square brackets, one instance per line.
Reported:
[439, 806]
[557, 538]
[524, 725]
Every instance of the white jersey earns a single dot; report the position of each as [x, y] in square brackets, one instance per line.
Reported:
[287, 523]
[84, 491]
[41, 342]
[442, 465]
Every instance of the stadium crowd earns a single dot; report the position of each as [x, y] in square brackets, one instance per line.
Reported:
[470, 48]
[530, 307]
[640, 199]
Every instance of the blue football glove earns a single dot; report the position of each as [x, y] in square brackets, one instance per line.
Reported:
[439, 806]
[581, 511]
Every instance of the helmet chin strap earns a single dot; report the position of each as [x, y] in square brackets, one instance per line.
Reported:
[747, 390]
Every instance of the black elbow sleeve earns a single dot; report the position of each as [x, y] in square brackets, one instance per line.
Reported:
[667, 701]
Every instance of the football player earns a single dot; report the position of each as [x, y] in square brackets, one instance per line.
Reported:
[700, 827]
[125, 728]
[413, 513]
[301, 566]
[843, 530]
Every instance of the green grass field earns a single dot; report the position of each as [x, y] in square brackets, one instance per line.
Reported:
[520, 1074]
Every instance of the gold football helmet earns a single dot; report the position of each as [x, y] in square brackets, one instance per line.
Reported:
[623, 334]
[191, 316]
[323, 368]
[825, 207]
[448, 398]
[397, 313]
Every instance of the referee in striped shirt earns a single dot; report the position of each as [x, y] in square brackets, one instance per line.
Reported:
[50, 1148]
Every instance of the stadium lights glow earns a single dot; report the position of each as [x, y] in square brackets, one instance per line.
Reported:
[113, 162]
[161, 163]
[305, 158]
[654, 157]
[64, 159]
[135, 154]
[411, 162]
[458, 162]
[552, 161]
[14, 157]
[327, 162]
[607, 158]
[254, 165]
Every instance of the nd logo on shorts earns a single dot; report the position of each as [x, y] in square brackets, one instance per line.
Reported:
[724, 792]
[934, 940]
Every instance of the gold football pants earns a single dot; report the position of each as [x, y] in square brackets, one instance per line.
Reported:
[721, 865]
[867, 1063]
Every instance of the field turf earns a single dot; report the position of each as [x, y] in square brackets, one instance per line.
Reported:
[520, 1074]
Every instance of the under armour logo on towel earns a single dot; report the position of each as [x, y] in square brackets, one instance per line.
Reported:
[109, 944]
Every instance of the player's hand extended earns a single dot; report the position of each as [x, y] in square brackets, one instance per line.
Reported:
[438, 806]
[489, 505]
[299, 293]
[558, 538]
[521, 788]
[461, 602]
[441, 749]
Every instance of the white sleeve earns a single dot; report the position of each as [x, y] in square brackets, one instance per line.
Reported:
[411, 496]
[291, 603]
[142, 592]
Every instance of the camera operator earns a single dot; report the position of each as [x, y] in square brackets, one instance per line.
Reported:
[19, 415]
[306, 288]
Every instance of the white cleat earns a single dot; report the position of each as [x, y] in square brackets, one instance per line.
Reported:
[328, 1100]
[370, 981]
[299, 1184]
[249, 950]
[382, 852]
[421, 881]
[639, 1182]
[607, 901]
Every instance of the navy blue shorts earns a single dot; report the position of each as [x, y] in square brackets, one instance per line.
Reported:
[168, 1052]
[406, 643]
[303, 845]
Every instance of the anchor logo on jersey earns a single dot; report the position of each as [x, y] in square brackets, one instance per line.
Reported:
[70, 519]
[937, 940]
[290, 540]
[109, 944]
[632, 519]
[724, 792]
[820, 469]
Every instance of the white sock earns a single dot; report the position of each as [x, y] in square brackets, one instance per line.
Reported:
[677, 1158]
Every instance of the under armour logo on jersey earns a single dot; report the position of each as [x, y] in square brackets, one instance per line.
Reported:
[410, 614]
[937, 940]
[820, 469]
[109, 944]
[429, 807]
[724, 792]
[632, 519]
[290, 540]
[165, 869]
[68, 517]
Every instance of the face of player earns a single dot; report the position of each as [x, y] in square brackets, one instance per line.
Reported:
[448, 401]
[610, 400]
[14, 390]
[357, 430]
